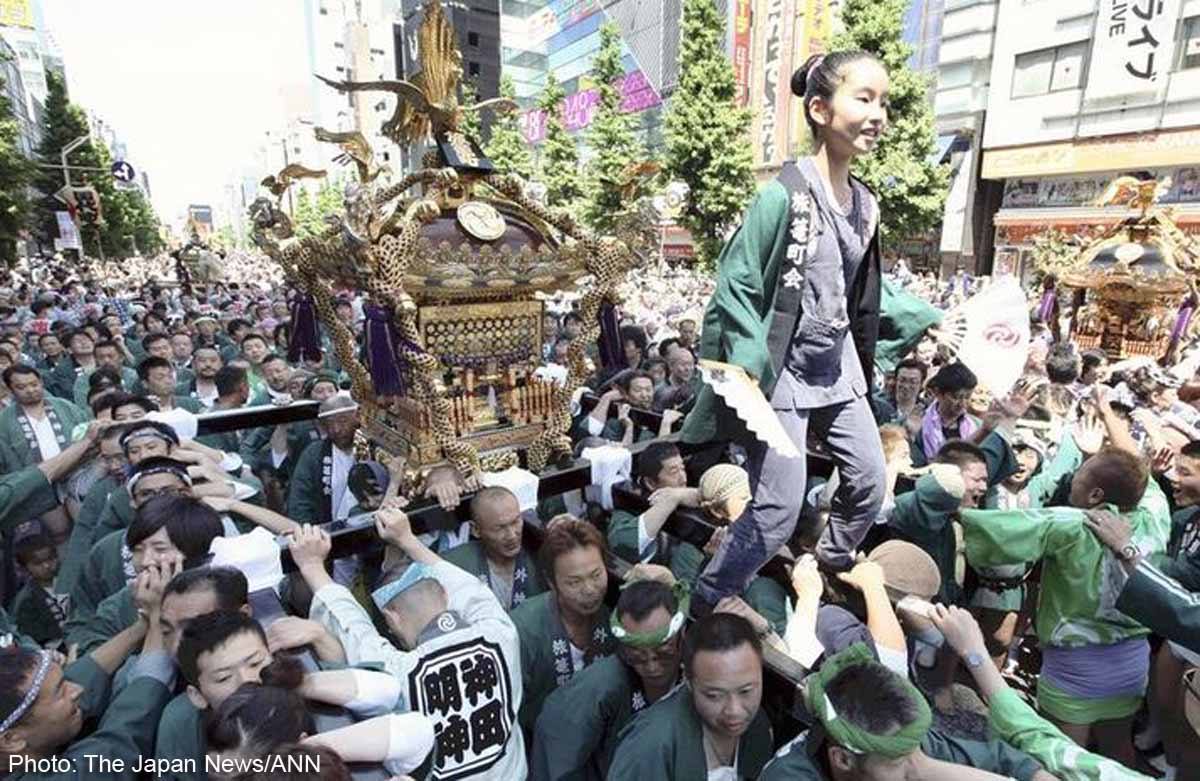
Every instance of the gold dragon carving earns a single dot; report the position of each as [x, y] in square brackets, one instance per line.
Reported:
[372, 245]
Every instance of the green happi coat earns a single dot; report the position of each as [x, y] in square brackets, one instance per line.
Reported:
[108, 568]
[527, 578]
[114, 615]
[181, 736]
[18, 444]
[1013, 720]
[1163, 605]
[82, 532]
[686, 562]
[1182, 559]
[1080, 585]
[925, 515]
[61, 381]
[665, 742]
[24, 494]
[309, 499]
[9, 633]
[741, 312]
[577, 732]
[903, 320]
[126, 730]
[546, 652]
[79, 391]
[1036, 493]
[116, 516]
[35, 617]
[803, 759]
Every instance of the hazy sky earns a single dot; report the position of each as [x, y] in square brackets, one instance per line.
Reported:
[190, 87]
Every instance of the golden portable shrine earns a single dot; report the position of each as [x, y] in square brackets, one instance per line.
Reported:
[451, 275]
[1136, 272]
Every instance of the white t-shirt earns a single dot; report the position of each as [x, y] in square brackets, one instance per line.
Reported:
[343, 501]
[43, 429]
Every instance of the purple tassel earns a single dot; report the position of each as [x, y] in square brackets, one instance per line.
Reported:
[1047, 308]
[305, 337]
[380, 344]
[1182, 321]
[612, 357]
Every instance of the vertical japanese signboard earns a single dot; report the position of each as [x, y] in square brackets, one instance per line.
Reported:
[742, 18]
[1133, 49]
[774, 35]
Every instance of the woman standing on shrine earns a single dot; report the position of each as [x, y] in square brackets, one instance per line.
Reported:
[797, 306]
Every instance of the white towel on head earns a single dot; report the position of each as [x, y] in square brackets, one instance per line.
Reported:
[611, 464]
[183, 422]
[256, 554]
[552, 372]
[522, 482]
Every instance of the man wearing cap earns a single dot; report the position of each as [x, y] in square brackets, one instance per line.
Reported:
[577, 730]
[868, 719]
[319, 490]
[461, 666]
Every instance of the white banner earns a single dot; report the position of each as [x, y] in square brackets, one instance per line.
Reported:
[68, 231]
[995, 334]
[1133, 49]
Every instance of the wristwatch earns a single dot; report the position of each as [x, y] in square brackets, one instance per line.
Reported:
[974, 659]
[1129, 552]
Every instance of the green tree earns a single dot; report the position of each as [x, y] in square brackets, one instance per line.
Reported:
[472, 123]
[507, 148]
[559, 163]
[911, 190]
[708, 145]
[127, 218]
[612, 138]
[329, 200]
[16, 177]
[306, 220]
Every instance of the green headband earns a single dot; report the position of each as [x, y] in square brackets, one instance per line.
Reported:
[847, 735]
[651, 639]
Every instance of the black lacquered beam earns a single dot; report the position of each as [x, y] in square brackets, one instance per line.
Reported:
[254, 417]
[427, 515]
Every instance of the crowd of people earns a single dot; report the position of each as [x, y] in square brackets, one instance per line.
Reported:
[951, 582]
[1057, 522]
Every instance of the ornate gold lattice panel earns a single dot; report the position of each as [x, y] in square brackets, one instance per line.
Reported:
[483, 337]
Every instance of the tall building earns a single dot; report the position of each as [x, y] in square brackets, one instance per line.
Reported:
[28, 135]
[960, 103]
[23, 27]
[565, 35]
[349, 40]
[923, 30]
[1081, 93]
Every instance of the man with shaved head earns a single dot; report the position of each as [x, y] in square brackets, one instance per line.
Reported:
[496, 554]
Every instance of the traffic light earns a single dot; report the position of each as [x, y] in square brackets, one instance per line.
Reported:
[87, 206]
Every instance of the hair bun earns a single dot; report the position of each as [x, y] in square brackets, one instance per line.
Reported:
[800, 77]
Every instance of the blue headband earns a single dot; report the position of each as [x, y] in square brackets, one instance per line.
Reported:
[387, 592]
